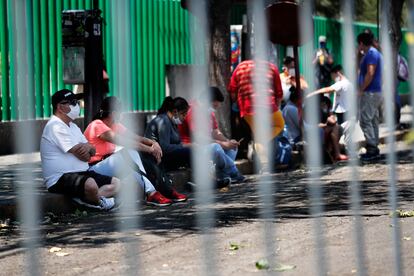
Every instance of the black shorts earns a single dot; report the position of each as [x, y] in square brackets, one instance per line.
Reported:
[73, 184]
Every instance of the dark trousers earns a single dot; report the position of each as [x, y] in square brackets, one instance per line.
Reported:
[176, 159]
[156, 175]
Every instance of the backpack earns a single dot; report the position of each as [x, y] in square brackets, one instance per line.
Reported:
[282, 150]
[402, 68]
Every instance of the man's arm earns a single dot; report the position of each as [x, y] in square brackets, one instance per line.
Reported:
[368, 77]
[323, 90]
[222, 140]
[83, 151]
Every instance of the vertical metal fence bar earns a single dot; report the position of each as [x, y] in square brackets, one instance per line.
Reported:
[201, 155]
[128, 218]
[313, 150]
[45, 59]
[145, 58]
[411, 64]
[161, 54]
[28, 111]
[52, 45]
[351, 97]
[140, 57]
[150, 43]
[157, 65]
[12, 55]
[4, 69]
[27, 199]
[37, 59]
[58, 26]
[134, 65]
[262, 122]
[389, 98]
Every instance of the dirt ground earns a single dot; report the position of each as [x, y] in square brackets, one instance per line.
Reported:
[168, 241]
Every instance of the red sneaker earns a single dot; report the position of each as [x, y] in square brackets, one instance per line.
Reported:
[158, 199]
[342, 157]
[177, 197]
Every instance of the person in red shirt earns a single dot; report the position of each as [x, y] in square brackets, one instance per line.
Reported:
[242, 91]
[224, 150]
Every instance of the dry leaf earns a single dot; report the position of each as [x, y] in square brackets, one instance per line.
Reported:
[54, 249]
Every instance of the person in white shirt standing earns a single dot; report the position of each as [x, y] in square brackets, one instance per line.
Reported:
[340, 88]
[65, 153]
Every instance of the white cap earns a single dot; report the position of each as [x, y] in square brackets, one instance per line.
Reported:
[322, 38]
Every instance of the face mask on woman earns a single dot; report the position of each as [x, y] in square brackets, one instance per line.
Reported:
[74, 111]
[292, 72]
[177, 120]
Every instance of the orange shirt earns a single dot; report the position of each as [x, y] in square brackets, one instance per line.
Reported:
[93, 132]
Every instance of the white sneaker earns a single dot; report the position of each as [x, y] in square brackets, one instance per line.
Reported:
[83, 203]
[106, 203]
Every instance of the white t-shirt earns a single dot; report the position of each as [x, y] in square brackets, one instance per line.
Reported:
[341, 88]
[57, 139]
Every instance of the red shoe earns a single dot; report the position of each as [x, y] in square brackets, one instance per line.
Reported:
[158, 199]
[342, 157]
[177, 197]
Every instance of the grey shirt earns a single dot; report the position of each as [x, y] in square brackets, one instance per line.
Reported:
[165, 132]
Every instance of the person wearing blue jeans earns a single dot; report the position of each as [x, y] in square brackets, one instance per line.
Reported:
[370, 94]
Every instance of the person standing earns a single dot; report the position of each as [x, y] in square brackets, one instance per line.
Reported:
[242, 91]
[370, 96]
[323, 63]
[340, 88]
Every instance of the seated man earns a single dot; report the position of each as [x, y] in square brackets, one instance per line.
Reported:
[329, 131]
[224, 150]
[65, 153]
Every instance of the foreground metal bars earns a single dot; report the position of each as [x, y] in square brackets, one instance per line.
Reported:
[128, 216]
[355, 193]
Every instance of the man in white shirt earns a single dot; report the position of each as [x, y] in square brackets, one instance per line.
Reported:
[65, 152]
[340, 88]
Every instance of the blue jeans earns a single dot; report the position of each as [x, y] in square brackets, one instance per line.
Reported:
[116, 165]
[224, 160]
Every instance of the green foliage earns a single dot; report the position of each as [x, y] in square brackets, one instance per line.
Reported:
[365, 10]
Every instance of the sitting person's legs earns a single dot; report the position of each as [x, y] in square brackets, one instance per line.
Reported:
[88, 186]
[117, 164]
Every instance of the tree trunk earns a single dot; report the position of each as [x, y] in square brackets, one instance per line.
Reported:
[394, 12]
[218, 44]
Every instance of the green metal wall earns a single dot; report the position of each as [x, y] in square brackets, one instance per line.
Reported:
[160, 36]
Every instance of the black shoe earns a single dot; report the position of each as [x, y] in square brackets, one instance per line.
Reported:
[223, 182]
[369, 156]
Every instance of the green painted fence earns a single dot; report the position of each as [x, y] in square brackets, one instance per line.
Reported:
[160, 36]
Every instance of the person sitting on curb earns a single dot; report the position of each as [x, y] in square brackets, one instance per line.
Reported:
[329, 131]
[105, 132]
[225, 149]
[65, 153]
[164, 130]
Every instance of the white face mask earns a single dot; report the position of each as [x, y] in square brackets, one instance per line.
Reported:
[292, 72]
[177, 121]
[74, 112]
[338, 78]
[212, 109]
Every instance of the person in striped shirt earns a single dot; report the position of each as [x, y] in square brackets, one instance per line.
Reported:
[242, 91]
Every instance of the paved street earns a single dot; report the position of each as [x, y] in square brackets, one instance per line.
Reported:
[169, 240]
